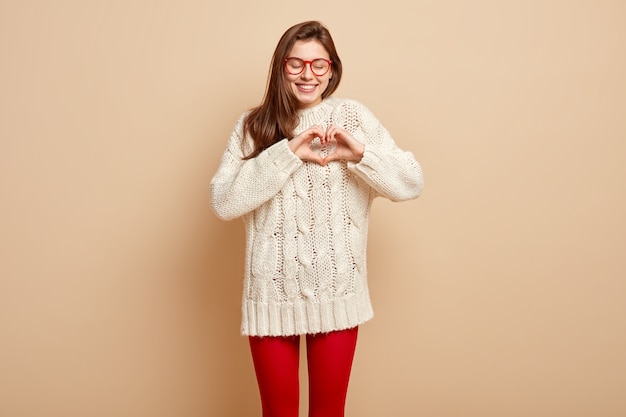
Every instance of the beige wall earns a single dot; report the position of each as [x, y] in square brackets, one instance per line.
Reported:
[500, 292]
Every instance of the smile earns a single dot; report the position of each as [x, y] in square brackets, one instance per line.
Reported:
[306, 87]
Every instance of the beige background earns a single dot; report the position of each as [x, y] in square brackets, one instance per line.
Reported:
[500, 292]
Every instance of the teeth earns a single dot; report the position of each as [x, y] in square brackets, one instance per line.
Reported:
[307, 87]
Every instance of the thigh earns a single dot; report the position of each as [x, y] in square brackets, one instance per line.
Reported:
[329, 357]
[276, 362]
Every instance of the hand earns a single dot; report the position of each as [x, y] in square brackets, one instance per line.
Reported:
[347, 147]
[301, 144]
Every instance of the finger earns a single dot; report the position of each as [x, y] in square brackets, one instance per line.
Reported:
[316, 158]
[330, 158]
[331, 132]
[342, 134]
[302, 137]
[309, 134]
[322, 135]
[309, 138]
[318, 131]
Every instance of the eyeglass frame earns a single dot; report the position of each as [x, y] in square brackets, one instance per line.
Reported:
[304, 63]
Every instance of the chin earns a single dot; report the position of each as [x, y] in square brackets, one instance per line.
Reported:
[308, 101]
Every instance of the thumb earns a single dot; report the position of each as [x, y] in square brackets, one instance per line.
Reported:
[330, 158]
[316, 158]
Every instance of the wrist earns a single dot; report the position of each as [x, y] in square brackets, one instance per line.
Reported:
[359, 153]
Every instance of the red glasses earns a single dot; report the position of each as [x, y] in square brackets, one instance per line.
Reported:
[296, 66]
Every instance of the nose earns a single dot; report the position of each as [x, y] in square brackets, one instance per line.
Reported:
[307, 73]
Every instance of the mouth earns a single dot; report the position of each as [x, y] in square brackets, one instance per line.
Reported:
[306, 88]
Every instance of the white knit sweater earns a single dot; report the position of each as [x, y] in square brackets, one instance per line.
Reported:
[306, 224]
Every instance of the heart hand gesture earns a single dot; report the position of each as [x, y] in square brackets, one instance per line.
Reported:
[301, 145]
[346, 147]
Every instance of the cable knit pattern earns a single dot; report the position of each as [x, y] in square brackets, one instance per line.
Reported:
[306, 224]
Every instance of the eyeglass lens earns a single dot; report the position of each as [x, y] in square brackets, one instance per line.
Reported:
[296, 66]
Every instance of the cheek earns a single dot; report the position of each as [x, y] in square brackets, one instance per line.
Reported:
[326, 83]
[288, 83]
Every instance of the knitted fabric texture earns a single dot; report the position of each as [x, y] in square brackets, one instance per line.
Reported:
[306, 224]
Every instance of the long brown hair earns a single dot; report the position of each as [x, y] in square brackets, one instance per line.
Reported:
[277, 116]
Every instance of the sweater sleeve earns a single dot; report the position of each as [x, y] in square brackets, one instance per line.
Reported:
[240, 186]
[392, 172]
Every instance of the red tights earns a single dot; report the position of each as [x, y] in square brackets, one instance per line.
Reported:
[329, 357]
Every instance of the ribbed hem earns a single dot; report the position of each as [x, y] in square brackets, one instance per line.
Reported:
[303, 317]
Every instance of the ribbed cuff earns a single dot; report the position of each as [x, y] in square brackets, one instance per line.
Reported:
[281, 156]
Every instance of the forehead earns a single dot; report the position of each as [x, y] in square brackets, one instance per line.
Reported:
[308, 49]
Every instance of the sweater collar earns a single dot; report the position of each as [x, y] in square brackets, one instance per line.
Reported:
[315, 114]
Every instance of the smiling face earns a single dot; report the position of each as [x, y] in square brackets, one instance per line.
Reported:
[306, 86]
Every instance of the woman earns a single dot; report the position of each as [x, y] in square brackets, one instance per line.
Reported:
[302, 170]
